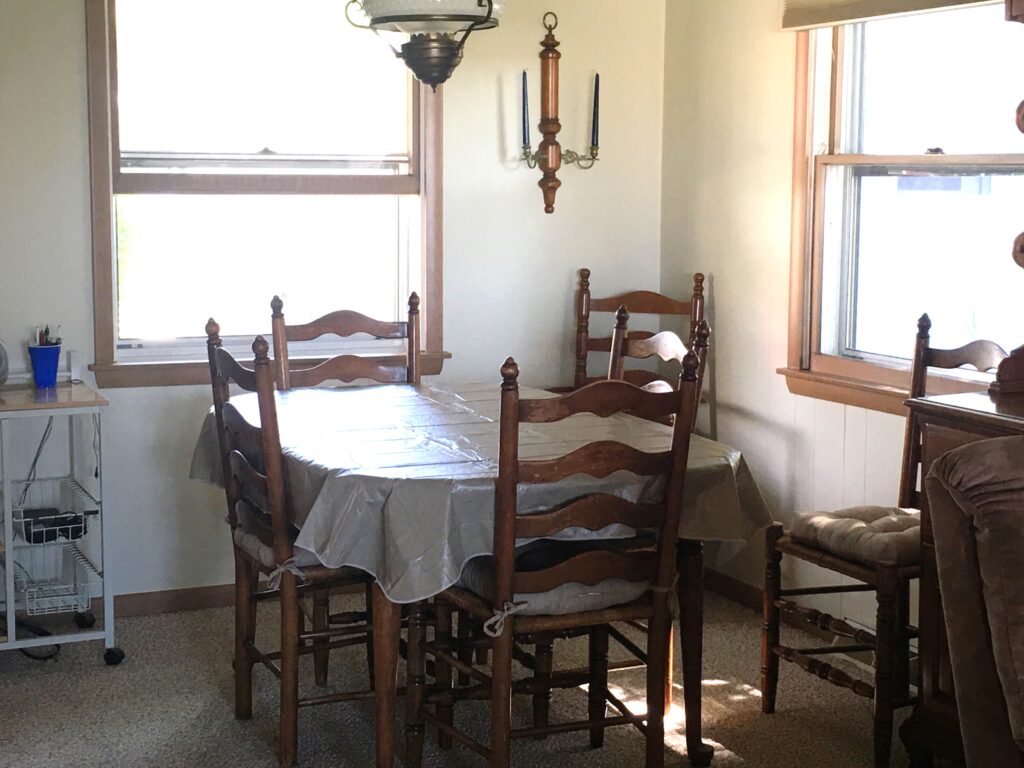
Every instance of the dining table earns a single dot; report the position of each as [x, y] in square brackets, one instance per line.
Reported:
[398, 480]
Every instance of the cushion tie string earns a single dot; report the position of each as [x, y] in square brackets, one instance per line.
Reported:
[289, 566]
[673, 605]
[495, 625]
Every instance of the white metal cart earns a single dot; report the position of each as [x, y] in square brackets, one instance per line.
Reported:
[54, 538]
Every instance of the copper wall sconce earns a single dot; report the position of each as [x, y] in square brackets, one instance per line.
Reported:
[550, 155]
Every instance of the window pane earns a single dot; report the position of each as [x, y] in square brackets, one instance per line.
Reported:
[939, 244]
[939, 80]
[243, 76]
[182, 258]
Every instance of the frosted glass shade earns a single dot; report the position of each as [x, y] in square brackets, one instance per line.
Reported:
[414, 17]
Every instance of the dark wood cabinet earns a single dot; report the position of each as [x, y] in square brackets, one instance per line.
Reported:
[946, 422]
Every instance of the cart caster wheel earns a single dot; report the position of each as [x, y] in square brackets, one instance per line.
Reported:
[113, 656]
[85, 620]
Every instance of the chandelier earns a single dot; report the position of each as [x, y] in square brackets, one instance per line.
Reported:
[437, 30]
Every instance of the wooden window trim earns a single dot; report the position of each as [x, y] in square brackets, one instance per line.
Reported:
[875, 385]
[425, 178]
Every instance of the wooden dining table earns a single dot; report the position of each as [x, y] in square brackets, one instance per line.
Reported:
[398, 480]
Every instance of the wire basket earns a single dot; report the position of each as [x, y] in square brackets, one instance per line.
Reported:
[51, 510]
[54, 579]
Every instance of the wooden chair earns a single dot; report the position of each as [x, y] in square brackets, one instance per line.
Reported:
[263, 537]
[638, 302]
[345, 323]
[498, 591]
[877, 546]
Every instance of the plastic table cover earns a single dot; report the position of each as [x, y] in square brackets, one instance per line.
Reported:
[399, 479]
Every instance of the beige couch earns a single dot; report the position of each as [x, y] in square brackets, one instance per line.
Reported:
[976, 500]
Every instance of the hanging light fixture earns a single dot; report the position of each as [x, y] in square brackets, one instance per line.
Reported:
[437, 30]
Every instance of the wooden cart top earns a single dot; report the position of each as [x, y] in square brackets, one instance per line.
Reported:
[63, 396]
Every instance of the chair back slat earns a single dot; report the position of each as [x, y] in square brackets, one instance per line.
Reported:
[590, 568]
[604, 343]
[590, 512]
[643, 302]
[229, 369]
[596, 460]
[602, 398]
[347, 368]
[253, 485]
[982, 354]
[345, 323]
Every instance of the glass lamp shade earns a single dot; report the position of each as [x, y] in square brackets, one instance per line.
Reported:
[422, 17]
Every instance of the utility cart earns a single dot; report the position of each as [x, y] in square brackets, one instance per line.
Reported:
[54, 540]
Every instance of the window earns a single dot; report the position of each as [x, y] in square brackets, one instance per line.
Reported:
[910, 200]
[246, 148]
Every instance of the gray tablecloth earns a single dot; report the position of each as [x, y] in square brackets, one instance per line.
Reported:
[399, 480]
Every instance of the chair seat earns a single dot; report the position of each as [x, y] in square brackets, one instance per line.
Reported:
[478, 577]
[865, 535]
[247, 537]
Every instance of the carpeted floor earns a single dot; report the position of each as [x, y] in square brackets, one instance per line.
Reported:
[170, 704]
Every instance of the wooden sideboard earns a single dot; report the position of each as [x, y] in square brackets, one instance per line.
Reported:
[946, 422]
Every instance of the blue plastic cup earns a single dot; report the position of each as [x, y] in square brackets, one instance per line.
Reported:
[44, 364]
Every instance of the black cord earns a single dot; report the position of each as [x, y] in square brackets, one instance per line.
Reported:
[35, 461]
[39, 653]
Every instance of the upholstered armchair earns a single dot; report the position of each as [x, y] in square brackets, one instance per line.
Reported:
[976, 502]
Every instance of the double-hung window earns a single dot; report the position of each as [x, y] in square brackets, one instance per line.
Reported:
[909, 181]
[246, 148]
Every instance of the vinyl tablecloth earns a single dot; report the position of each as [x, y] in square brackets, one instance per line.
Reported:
[399, 479]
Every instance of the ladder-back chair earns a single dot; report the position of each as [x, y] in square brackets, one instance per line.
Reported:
[512, 593]
[263, 539]
[877, 546]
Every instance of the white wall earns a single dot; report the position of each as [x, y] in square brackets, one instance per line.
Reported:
[729, 89]
[509, 268]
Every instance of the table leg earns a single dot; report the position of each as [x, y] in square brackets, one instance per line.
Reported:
[690, 556]
[386, 627]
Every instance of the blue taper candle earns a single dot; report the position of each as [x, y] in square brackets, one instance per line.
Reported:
[526, 114]
[596, 120]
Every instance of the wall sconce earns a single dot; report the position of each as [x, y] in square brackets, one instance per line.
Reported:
[434, 27]
[550, 155]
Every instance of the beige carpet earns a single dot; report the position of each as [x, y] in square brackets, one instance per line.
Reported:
[170, 704]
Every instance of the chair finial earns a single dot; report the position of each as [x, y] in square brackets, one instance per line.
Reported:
[621, 318]
[703, 334]
[276, 305]
[212, 328]
[698, 283]
[510, 374]
[414, 302]
[690, 365]
[261, 348]
[924, 326]
[585, 278]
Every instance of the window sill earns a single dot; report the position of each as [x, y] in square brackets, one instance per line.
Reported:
[192, 373]
[864, 393]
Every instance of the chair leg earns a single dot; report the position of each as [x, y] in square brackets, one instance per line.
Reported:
[691, 633]
[543, 664]
[597, 690]
[245, 633]
[443, 670]
[416, 670]
[288, 739]
[321, 657]
[670, 668]
[770, 617]
[901, 670]
[465, 654]
[369, 635]
[501, 698]
[885, 658]
[657, 658]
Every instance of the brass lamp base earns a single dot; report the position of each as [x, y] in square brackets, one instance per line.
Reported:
[432, 57]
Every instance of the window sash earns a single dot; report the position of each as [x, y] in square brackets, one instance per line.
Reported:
[423, 179]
